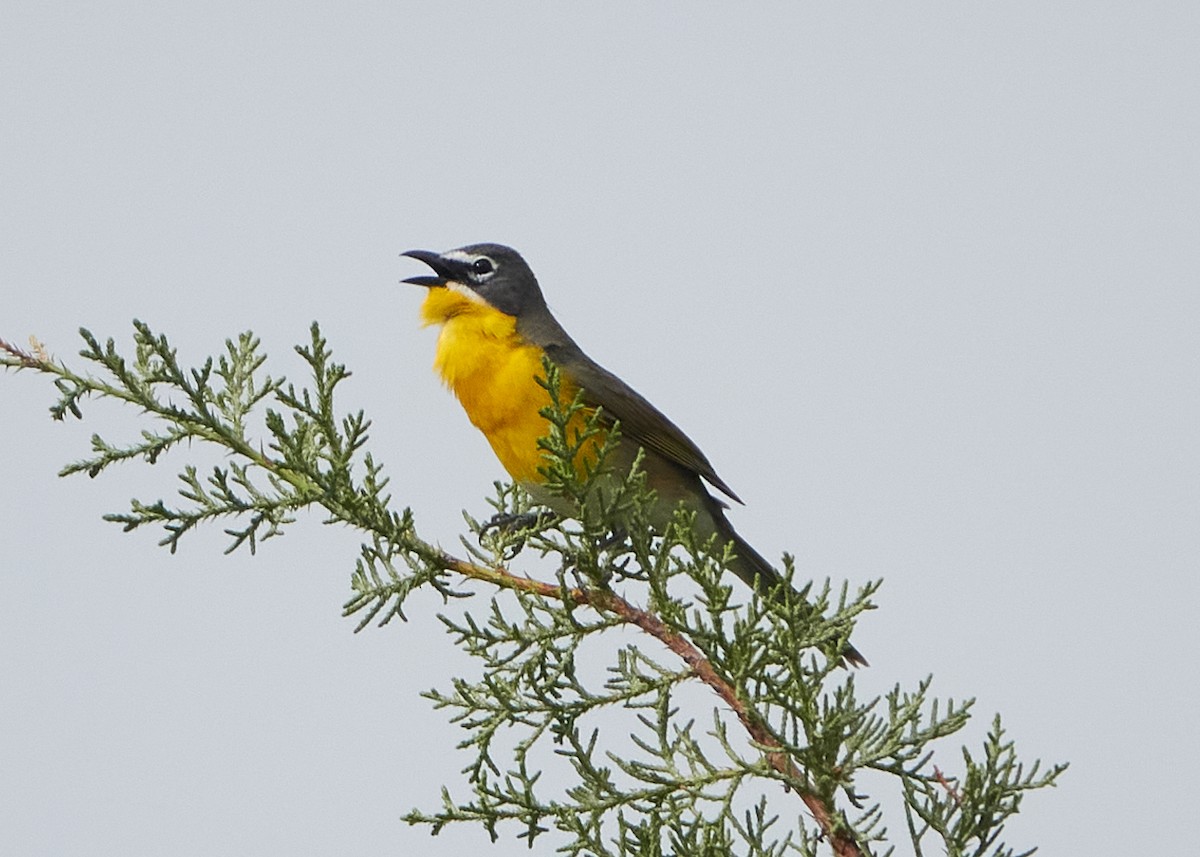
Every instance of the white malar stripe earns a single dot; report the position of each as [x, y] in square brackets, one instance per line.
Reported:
[466, 291]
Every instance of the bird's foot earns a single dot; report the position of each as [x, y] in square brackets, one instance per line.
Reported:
[513, 522]
[616, 537]
[509, 522]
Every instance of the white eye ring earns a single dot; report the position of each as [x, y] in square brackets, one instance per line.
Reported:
[483, 266]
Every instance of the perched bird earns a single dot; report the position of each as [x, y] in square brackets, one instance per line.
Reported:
[495, 331]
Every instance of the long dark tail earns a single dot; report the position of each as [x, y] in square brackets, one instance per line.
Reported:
[754, 569]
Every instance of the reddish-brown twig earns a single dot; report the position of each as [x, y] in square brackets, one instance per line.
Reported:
[945, 783]
[826, 816]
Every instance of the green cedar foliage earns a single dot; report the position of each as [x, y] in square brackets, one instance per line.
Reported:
[630, 701]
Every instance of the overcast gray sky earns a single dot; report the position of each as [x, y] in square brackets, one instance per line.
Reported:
[921, 279]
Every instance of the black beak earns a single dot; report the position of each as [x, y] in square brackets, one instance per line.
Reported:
[434, 260]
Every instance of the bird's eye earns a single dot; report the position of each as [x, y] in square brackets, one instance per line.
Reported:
[482, 266]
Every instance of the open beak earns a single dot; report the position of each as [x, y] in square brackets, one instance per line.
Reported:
[440, 267]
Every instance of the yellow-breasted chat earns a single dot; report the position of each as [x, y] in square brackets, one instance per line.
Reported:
[495, 330]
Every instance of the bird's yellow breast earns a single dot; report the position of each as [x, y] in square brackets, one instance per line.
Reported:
[493, 371]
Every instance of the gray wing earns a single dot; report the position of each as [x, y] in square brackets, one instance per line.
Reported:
[640, 421]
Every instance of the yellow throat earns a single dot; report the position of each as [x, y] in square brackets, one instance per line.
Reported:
[493, 371]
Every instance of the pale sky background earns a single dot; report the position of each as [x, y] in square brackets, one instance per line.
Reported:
[935, 264]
